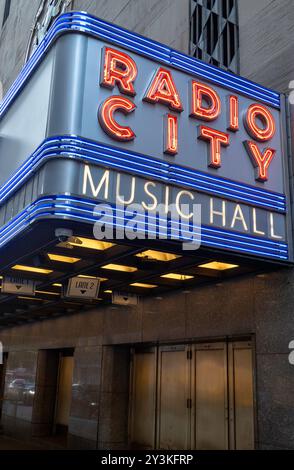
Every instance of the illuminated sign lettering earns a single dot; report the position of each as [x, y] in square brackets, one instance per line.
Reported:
[215, 139]
[260, 160]
[171, 134]
[163, 90]
[205, 102]
[233, 104]
[150, 195]
[120, 69]
[148, 125]
[108, 122]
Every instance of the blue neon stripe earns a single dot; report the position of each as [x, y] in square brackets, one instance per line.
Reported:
[131, 162]
[87, 24]
[63, 206]
[218, 76]
[242, 239]
[263, 241]
[206, 242]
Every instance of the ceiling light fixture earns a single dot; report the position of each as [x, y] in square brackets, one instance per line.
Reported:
[32, 269]
[120, 267]
[218, 266]
[178, 277]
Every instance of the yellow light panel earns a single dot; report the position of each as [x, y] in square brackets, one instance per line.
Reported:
[178, 277]
[218, 266]
[89, 243]
[102, 279]
[46, 292]
[56, 284]
[157, 255]
[145, 286]
[32, 269]
[120, 267]
[63, 259]
[108, 291]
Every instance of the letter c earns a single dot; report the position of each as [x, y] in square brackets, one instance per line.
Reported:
[108, 122]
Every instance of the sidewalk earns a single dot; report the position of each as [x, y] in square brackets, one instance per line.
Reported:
[8, 443]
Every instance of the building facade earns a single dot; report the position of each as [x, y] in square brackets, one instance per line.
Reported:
[200, 365]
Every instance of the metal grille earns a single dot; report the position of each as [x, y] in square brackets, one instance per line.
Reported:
[6, 11]
[214, 33]
[46, 14]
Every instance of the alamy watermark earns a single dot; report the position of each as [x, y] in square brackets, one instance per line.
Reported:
[133, 221]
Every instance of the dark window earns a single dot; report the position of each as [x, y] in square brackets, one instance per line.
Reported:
[6, 11]
[214, 32]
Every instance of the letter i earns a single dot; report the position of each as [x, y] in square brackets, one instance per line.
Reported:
[170, 134]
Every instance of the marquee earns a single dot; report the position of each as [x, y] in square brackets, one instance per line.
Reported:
[102, 113]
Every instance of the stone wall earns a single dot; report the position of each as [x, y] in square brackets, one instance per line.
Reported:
[261, 306]
[266, 31]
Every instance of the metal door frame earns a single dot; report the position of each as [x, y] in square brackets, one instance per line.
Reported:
[141, 350]
[191, 347]
[68, 352]
[232, 345]
[187, 349]
[2, 380]
[208, 346]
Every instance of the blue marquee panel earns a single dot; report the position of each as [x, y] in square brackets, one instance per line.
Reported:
[82, 210]
[112, 157]
[69, 146]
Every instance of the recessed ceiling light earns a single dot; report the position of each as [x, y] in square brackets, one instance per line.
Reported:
[218, 266]
[33, 269]
[178, 277]
[108, 291]
[46, 292]
[89, 243]
[56, 284]
[145, 286]
[120, 267]
[102, 279]
[157, 255]
[63, 259]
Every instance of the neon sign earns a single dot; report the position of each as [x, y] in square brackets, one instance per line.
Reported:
[119, 69]
[146, 123]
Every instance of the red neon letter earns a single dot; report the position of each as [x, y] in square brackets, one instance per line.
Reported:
[216, 139]
[171, 134]
[107, 121]
[233, 113]
[204, 93]
[163, 90]
[118, 69]
[261, 161]
[263, 114]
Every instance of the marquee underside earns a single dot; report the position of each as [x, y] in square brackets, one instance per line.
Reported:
[32, 247]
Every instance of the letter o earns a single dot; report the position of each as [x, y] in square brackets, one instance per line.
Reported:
[253, 128]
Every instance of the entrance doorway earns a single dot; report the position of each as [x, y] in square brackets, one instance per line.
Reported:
[51, 408]
[193, 396]
[63, 393]
[2, 379]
